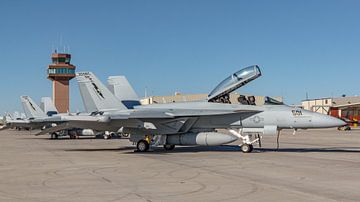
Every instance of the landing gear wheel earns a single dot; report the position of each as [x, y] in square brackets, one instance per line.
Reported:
[142, 146]
[246, 148]
[169, 147]
[54, 136]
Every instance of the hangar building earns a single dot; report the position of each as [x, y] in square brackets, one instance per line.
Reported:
[344, 107]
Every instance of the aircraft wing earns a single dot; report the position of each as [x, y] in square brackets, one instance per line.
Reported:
[18, 123]
[157, 121]
[55, 129]
[176, 121]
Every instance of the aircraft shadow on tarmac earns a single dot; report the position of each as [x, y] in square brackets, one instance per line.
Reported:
[130, 148]
[81, 138]
[315, 150]
[227, 148]
[160, 150]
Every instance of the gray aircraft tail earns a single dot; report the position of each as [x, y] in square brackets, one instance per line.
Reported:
[95, 95]
[7, 117]
[47, 105]
[122, 89]
[31, 109]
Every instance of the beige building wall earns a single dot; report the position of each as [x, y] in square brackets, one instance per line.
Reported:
[323, 105]
[318, 105]
[346, 100]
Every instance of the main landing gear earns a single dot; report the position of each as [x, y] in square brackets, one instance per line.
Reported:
[247, 145]
[246, 148]
[54, 136]
[143, 145]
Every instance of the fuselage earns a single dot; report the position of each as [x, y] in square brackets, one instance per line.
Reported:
[205, 116]
[249, 116]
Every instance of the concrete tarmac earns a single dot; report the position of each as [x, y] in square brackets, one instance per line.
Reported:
[314, 165]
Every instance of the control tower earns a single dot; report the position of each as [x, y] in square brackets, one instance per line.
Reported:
[60, 72]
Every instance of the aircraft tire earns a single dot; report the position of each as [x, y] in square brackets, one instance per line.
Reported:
[169, 147]
[246, 148]
[142, 146]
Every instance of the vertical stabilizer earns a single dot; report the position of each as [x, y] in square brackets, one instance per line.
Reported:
[31, 109]
[122, 89]
[48, 106]
[95, 95]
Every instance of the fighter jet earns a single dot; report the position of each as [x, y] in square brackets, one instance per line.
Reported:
[32, 112]
[35, 116]
[16, 121]
[192, 123]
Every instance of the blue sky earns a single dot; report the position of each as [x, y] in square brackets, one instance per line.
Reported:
[183, 45]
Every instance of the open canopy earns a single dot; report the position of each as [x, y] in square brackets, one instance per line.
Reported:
[235, 81]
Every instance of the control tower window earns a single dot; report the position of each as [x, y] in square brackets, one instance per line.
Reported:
[61, 71]
[60, 60]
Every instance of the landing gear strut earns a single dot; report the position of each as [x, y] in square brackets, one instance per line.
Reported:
[150, 141]
[247, 145]
[54, 136]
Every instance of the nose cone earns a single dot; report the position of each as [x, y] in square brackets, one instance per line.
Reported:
[326, 121]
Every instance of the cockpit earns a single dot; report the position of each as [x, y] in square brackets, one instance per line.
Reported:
[222, 92]
[272, 101]
[251, 100]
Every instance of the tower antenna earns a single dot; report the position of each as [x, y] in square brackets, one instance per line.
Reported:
[60, 39]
